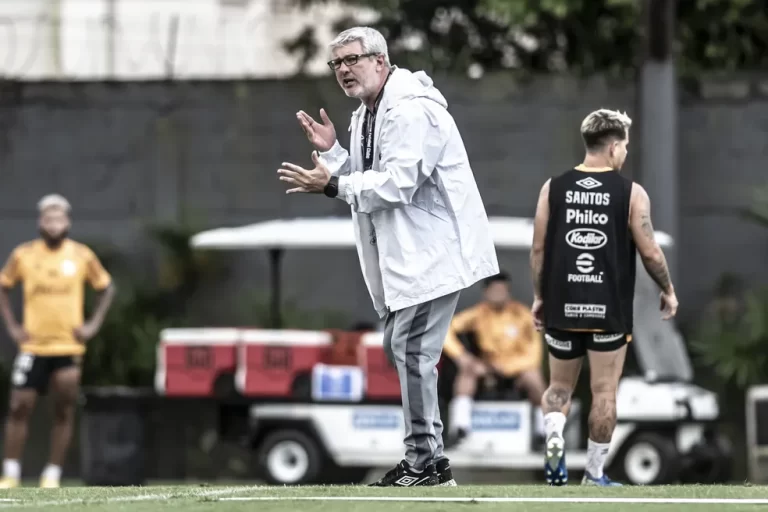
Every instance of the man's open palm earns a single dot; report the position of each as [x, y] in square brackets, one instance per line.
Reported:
[312, 181]
[321, 135]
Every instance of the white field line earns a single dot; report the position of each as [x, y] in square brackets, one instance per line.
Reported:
[182, 493]
[681, 501]
[220, 494]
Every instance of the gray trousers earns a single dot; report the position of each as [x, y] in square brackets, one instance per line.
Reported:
[413, 342]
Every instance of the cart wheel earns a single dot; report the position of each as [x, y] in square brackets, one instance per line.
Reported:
[711, 463]
[649, 459]
[289, 457]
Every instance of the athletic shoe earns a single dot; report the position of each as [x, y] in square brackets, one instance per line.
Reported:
[403, 476]
[603, 481]
[554, 461]
[49, 483]
[444, 473]
[8, 483]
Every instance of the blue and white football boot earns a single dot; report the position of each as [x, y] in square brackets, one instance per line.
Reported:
[554, 461]
[603, 481]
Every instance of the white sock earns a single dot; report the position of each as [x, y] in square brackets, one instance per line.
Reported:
[461, 413]
[538, 421]
[596, 454]
[52, 472]
[554, 422]
[11, 469]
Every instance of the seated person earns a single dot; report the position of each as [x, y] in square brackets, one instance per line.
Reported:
[509, 347]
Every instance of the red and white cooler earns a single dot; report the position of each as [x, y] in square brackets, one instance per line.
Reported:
[190, 361]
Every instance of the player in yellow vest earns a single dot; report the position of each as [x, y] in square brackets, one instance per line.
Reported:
[507, 348]
[52, 339]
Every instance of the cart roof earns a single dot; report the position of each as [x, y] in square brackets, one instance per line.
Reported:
[338, 232]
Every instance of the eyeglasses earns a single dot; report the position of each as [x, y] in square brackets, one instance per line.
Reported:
[349, 60]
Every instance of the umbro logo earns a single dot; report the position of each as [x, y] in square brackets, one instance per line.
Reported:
[406, 480]
[589, 183]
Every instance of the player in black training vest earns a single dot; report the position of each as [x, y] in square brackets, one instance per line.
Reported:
[590, 222]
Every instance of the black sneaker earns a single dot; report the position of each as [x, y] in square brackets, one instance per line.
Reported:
[444, 474]
[403, 476]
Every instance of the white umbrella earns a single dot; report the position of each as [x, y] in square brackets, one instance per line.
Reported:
[337, 232]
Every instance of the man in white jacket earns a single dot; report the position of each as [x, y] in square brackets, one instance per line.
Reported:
[421, 229]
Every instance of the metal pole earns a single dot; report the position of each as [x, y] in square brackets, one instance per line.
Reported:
[658, 121]
[275, 257]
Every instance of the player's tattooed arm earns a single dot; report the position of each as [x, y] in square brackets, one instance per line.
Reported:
[539, 238]
[643, 234]
[656, 267]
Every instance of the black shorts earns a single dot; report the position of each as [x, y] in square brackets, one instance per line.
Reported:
[31, 371]
[573, 344]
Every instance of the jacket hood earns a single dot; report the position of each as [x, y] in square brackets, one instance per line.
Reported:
[405, 85]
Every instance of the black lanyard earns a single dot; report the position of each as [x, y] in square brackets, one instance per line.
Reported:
[369, 129]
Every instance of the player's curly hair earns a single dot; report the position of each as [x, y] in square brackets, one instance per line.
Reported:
[602, 125]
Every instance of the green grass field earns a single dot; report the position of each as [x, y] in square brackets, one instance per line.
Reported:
[477, 498]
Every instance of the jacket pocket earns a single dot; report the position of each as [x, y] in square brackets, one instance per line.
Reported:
[431, 201]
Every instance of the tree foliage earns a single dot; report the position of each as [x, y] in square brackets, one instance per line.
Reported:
[733, 338]
[580, 36]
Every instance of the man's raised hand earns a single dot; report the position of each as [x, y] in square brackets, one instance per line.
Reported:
[321, 135]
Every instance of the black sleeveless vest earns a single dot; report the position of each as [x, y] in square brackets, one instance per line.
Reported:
[588, 277]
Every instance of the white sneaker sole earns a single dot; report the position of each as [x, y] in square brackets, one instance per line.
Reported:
[449, 483]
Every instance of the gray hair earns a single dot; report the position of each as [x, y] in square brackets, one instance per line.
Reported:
[53, 201]
[370, 39]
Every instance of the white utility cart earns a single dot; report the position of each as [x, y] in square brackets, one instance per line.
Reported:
[667, 426]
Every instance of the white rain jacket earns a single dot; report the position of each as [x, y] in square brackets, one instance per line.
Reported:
[420, 224]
